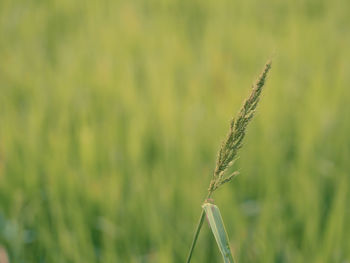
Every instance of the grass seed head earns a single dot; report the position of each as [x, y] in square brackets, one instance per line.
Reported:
[229, 148]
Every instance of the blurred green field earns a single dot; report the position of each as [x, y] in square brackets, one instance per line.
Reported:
[112, 112]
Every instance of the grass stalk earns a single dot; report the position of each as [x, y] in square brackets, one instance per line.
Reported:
[227, 154]
[196, 233]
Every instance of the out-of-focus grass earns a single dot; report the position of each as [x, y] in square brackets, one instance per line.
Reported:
[111, 114]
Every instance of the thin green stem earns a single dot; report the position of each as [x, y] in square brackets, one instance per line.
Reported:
[194, 241]
[198, 229]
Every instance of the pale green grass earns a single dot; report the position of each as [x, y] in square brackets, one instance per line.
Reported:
[111, 114]
[228, 155]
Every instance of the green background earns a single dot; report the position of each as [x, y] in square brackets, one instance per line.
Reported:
[112, 112]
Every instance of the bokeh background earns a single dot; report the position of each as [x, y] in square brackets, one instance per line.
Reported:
[112, 112]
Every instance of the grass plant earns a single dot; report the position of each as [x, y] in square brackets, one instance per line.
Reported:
[230, 146]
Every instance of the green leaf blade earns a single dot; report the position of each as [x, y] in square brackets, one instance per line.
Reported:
[217, 226]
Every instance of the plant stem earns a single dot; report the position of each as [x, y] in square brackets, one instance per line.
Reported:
[198, 229]
[194, 241]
